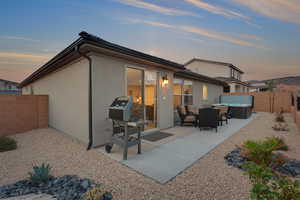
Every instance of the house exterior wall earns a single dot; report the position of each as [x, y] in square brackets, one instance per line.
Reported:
[214, 92]
[165, 113]
[209, 69]
[109, 82]
[234, 87]
[68, 98]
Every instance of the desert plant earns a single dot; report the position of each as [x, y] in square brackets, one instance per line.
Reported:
[268, 186]
[41, 174]
[261, 152]
[257, 173]
[97, 193]
[7, 144]
[287, 189]
[277, 143]
[271, 85]
[258, 152]
[279, 117]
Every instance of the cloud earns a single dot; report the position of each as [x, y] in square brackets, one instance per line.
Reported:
[12, 63]
[217, 10]
[202, 32]
[251, 37]
[156, 8]
[17, 38]
[285, 10]
[23, 56]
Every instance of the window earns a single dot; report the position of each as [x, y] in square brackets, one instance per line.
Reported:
[187, 92]
[204, 92]
[183, 92]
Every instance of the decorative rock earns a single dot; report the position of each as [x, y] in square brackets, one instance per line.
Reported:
[68, 187]
[235, 159]
[85, 184]
[291, 168]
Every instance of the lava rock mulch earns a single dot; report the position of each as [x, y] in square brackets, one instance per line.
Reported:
[235, 159]
[68, 187]
[289, 168]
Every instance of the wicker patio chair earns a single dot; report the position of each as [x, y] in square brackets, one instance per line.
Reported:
[208, 118]
[186, 117]
[224, 114]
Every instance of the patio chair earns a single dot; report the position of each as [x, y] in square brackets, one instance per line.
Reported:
[191, 109]
[208, 118]
[224, 114]
[185, 117]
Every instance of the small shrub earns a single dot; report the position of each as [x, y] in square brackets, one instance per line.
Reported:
[41, 174]
[268, 186]
[277, 142]
[279, 117]
[257, 173]
[261, 152]
[7, 144]
[287, 189]
[97, 193]
[257, 152]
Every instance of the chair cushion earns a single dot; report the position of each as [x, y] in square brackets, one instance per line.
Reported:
[190, 118]
[193, 109]
[224, 117]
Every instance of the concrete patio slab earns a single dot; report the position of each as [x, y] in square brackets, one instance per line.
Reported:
[166, 161]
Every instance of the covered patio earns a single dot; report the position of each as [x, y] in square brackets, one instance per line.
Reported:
[165, 158]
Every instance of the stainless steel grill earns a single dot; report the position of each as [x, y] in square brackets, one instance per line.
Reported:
[125, 132]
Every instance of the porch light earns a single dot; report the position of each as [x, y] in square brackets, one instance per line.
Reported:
[165, 81]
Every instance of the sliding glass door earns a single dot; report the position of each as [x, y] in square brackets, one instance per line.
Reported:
[135, 89]
[142, 86]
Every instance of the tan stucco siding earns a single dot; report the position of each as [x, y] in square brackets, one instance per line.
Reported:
[108, 83]
[214, 92]
[165, 113]
[209, 69]
[68, 98]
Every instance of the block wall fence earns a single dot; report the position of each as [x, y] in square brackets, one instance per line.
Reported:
[21, 113]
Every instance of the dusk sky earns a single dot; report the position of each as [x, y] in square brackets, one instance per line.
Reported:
[262, 37]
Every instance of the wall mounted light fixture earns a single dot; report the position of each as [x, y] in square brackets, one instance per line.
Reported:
[165, 80]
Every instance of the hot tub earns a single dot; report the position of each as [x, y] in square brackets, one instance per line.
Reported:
[240, 107]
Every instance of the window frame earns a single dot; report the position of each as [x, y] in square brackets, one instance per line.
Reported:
[207, 94]
[184, 96]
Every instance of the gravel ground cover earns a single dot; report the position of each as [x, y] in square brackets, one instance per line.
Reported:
[210, 178]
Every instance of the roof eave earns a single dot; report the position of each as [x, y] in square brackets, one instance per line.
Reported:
[184, 74]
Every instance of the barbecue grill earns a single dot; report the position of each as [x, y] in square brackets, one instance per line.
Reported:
[126, 131]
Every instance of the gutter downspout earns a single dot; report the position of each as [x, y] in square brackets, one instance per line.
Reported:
[89, 98]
